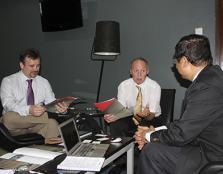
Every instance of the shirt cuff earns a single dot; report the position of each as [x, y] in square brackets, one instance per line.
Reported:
[26, 113]
[148, 134]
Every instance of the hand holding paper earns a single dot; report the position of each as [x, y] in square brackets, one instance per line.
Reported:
[110, 118]
[113, 107]
[59, 104]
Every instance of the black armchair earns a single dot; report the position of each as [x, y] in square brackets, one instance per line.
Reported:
[9, 142]
[167, 108]
[214, 167]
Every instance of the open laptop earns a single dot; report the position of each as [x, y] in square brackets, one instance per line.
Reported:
[74, 146]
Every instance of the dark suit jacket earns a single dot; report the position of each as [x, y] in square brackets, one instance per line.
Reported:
[199, 131]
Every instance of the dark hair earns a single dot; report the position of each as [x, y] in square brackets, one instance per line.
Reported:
[31, 53]
[196, 48]
[142, 59]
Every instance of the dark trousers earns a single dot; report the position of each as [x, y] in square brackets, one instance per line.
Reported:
[122, 127]
[157, 158]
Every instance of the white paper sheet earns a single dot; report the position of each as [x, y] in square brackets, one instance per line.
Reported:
[81, 163]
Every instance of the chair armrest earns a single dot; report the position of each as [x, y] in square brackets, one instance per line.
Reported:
[30, 138]
[10, 142]
[212, 167]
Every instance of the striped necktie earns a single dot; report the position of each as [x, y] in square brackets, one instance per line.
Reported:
[138, 106]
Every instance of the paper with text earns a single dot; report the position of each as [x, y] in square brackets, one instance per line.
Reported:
[81, 163]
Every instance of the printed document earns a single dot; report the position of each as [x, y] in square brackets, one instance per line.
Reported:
[81, 163]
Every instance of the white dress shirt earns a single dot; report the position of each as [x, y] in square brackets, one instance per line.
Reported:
[151, 92]
[14, 92]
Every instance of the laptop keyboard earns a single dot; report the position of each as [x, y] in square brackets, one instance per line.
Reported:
[84, 149]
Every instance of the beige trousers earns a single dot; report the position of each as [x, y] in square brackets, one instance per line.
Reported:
[18, 125]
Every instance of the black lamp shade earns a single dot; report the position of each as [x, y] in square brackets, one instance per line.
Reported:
[107, 38]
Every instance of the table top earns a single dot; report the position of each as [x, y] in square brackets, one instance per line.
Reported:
[113, 148]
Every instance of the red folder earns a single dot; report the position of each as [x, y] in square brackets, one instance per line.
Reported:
[102, 106]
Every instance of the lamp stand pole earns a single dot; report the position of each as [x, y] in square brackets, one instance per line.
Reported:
[100, 79]
[98, 91]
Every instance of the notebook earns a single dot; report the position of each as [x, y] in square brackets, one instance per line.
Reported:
[74, 146]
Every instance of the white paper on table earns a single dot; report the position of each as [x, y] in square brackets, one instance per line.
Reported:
[25, 158]
[81, 163]
[37, 152]
[2, 171]
[31, 155]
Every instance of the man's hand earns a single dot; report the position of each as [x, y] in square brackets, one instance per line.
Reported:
[61, 107]
[140, 135]
[36, 110]
[146, 113]
[55, 140]
[110, 118]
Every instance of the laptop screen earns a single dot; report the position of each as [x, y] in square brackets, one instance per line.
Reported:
[69, 134]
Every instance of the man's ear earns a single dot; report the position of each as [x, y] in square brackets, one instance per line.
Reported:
[184, 61]
[21, 65]
[130, 73]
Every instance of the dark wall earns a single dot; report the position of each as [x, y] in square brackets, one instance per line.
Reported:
[149, 28]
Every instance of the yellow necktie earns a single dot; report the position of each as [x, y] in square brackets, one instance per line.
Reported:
[138, 107]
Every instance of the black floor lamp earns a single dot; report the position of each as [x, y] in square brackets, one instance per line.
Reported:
[106, 46]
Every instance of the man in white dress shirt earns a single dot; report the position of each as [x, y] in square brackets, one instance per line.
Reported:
[19, 116]
[127, 94]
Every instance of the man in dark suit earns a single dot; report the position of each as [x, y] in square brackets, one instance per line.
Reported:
[187, 144]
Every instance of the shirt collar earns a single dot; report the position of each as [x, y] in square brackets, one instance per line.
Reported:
[23, 76]
[142, 84]
[197, 74]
